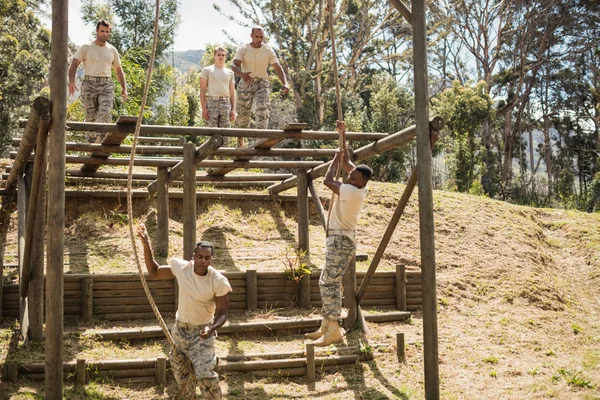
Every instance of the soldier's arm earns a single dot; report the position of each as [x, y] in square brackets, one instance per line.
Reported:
[72, 70]
[222, 303]
[282, 77]
[237, 69]
[330, 180]
[233, 100]
[122, 82]
[156, 271]
[203, 89]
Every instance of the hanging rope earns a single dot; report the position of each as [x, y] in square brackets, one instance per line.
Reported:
[340, 125]
[136, 134]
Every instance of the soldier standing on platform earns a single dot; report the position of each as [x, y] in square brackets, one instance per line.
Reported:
[250, 63]
[217, 92]
[97, 89]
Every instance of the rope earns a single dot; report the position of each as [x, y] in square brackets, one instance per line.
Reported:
[136, 134]
[340, 125]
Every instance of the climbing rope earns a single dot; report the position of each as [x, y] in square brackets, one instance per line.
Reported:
[136, 134]
[340, 125]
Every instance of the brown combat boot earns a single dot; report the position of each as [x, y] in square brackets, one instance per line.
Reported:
[333, 334]
[319, 332]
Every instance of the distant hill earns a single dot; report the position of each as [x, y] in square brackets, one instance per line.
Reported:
[184, 60]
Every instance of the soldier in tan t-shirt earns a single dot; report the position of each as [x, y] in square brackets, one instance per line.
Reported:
[202, 309]
[217, 92]
[250, 63]
[97, 89]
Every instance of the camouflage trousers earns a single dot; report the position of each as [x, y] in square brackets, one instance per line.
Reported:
[193, 361]
[257, 92]
[97, 99]
[218, 112]
[338, 252]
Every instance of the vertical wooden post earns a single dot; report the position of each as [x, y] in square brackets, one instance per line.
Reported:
[161, 371]
[6, 209]
[310, 362]
[349, 300]
[38, 229]
[23, 193]
[251, 290]
[302, 212]
[305, 291]
[400, 346]
[426, 224]
[317, 202]
[401, 287]
[87, 299]
[56, 202]
[189, 200]
[162, 212]
[12, 372]
[81, 372]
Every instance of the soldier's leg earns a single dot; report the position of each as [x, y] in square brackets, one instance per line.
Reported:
[224, 114]
[338, 250]
[183, 369]
[210, 388]
[89, 100]
[106, 100]
[213, 112]
[202, 355]
[263, 106]
[245, 96]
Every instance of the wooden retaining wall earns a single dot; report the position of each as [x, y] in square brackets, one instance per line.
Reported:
[121, 296]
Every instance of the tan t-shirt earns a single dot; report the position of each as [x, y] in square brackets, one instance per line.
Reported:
[256, 61]
[98, 60]
[219, 80]
[197, 293]
[346, 208]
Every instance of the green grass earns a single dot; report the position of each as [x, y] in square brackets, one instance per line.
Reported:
[491, 360]
[572, 378]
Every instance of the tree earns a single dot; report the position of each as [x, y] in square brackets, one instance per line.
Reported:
[24, 62]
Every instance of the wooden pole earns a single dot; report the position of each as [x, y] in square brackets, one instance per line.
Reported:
[302, 212]
[199, 178]
[37, 191]
[161, 371]
[310, 362]
[162, 212]
[81, 372]
[189, 200]
[401, 287]
[87, 299]
[251, 290]
[40, 106]
[38, 231]
[349, 300]
[305, 292]
[56, 202]
[318, 204]
[385, 240]
[23, 192]
[6, 210]
[426, 224]
[204, 151]
[400, 346]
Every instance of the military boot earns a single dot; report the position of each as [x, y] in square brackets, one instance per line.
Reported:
[333, 334]
[319, 332]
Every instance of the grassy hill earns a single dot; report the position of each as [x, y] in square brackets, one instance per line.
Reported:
[184, 60]
[518, 294]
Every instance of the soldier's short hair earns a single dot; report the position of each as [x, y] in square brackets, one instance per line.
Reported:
[205, 244]
[102, 22]
[257, 28]
[365, 170]
[219, 48]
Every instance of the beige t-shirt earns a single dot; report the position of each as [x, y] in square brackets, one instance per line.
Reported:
[197, 293]
[346, 208]
[219, 80]
[98, 60]
[256, 61]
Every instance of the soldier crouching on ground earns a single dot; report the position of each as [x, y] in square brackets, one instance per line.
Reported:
[203, 307]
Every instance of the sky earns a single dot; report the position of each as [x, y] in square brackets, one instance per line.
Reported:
[200, 24]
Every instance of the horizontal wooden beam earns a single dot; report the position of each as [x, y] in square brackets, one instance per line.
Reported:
[199, 178]
[75, 180]
[176, 195]
[227, 132]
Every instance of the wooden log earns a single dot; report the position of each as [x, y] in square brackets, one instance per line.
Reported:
[379, 302]
[199, 178]
[162, 212]
[414, 301]
[139, 293]
[318, 205]
[391, 275]
[400, 346]
[121, 194]
[161, 371]
[349, 299]
[255, 365]
[414, 287]
[139, 300]
[251, 289]
[388, 316]
[385, 240]
[111, 139]
[53, 387]
[81, 372]
[124, 373]
[305, 292]
[87, 299]
[203, 152]
[267, 281]
[209, 131]
[130, 285]
[310, 362]
[302, 213]
[379, 294]
[414, 294]
[39, 107]
[23, 201]
[12, 372]
[132, 308]
[189, 200]
[401, 287]
[6, 210]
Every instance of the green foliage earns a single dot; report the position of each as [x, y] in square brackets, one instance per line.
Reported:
[294, 265]
[572, 378]
[576, 329]
[491, 360]
[464, 110]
